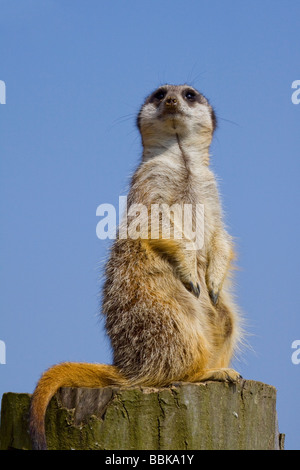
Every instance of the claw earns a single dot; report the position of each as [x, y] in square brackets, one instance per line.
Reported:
[194, 289]
[214, 297]
[233, 379]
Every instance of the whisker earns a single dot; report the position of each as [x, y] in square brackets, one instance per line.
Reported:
[122, 120]
[229, 120]
[194, 81]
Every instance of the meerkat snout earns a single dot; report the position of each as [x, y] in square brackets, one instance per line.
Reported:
[171, 101]
[170, 106]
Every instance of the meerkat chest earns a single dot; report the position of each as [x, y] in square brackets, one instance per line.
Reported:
[176, 180]
[183, 182]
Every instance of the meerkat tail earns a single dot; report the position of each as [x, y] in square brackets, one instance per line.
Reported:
[67, 374]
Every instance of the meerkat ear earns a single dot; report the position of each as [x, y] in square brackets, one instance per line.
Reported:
[214, 119]
[138, 121]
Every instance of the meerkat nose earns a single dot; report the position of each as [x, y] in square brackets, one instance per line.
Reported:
[171, 101]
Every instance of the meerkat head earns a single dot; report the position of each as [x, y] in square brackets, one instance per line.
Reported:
[176, 109]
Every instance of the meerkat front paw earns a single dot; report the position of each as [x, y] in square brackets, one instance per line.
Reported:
[213, 290]
[191, 284]
[214, 296]
[194, 289]
[186, 271]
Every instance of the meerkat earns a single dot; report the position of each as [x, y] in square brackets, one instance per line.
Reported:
[169, 310]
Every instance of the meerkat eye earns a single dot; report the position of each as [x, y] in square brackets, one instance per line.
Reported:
[190, 95]
[159, 95]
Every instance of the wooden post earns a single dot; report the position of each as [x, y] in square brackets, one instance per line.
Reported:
[185, 416]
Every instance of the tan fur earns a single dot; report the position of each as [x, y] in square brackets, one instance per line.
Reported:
[162, 329]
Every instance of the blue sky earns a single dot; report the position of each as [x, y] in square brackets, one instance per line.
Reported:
[76, 73]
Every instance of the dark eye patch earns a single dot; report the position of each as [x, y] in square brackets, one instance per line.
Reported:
[158, 95]
[193, 96]
[190, 95]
